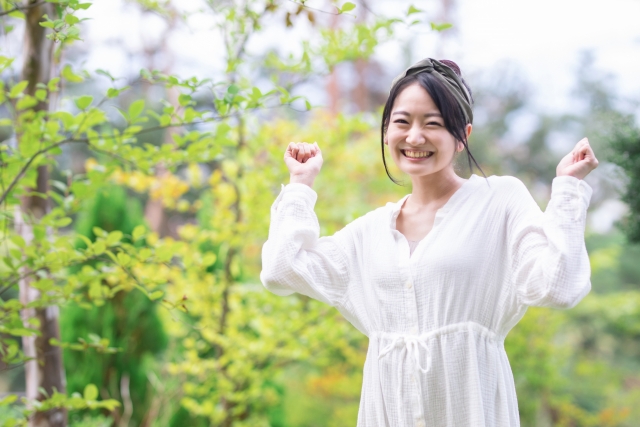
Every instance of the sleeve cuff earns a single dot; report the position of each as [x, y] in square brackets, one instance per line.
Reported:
[573, 188]
[297, 191]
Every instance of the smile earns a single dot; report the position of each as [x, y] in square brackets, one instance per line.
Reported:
[417, 154]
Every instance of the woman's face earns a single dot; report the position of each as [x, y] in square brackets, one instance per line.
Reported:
[418, 141]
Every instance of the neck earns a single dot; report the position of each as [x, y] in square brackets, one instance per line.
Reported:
[431, 189]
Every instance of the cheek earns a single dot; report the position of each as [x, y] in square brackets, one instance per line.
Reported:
[393, 138]
[444, 141]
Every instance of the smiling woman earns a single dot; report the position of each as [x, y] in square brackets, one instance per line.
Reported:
[446, 107]
[437, 279]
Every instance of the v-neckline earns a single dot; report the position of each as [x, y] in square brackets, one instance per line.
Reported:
[400, 203]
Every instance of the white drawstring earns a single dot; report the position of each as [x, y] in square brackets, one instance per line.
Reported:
[410, 344]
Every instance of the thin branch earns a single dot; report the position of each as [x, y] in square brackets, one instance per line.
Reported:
[26, 166]
[21, 8]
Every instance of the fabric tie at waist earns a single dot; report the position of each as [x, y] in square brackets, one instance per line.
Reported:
[410, 345]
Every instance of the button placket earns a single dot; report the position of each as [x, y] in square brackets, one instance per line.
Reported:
[413, 329]
[412, 315]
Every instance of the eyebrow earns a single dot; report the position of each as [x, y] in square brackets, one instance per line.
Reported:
[404, 113]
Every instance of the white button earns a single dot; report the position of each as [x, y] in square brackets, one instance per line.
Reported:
[413, 378]
[409, 285]
[414, 330]
[420, 423]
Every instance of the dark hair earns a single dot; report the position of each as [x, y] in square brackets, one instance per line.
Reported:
[452, 113]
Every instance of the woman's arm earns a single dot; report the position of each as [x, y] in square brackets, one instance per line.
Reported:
[295, 258]
[550, 263]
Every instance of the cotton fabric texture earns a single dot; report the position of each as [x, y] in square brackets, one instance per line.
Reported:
[437, 320]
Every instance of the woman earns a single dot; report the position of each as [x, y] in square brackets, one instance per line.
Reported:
[436, 280]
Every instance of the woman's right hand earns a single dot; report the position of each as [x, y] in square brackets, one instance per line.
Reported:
[304, 161]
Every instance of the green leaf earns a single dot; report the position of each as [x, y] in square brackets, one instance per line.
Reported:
[124, 259]
[63, 222]
[440, 27]
[184, 99]
[155, 295]
[5, 62]
[138, 232]
[99, 247]
[90, 392]
[85, 239]
[26, 102]
[53, 84]
[144, 254]
[233, 89]
[209, 259]
[22, 332]
[70, 19]
[347, 7]
[17, 90]
[105, 73]
[113, 92]
[17, 14]
[135, 109]
[41, 94]
[114, 237]
[18, 240]
[84, 101]
[307, 104]
[412, 10]
[68, 74]
[8, 400]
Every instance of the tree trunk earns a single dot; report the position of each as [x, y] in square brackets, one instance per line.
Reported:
[44, 371]
[154, 212]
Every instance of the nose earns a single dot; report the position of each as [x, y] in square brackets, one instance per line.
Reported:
[415, 135]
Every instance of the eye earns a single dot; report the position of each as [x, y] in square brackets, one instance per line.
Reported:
[433, 123]
[400, 121]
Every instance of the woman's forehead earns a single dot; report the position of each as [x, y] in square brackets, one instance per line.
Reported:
[414, 98]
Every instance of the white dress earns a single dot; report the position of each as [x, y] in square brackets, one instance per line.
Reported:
[437, 319]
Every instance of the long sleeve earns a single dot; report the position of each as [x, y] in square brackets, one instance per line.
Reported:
[295, 258]
[549, 259]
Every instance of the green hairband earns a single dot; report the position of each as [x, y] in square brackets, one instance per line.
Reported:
[448, 77]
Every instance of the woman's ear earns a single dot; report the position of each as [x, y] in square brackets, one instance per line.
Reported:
[468, 129]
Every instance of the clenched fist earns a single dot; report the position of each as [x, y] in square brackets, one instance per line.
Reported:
[579, 162]
[304, 161]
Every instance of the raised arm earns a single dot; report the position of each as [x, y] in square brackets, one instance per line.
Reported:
[295, 258]
[550, 264]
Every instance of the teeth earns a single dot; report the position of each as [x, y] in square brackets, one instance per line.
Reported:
[417, 154]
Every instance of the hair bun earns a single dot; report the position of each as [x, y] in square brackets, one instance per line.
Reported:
[452, 65]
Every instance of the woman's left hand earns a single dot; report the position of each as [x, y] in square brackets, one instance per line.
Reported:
[579, 162]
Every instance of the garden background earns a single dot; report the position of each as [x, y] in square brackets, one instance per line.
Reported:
[141, 146]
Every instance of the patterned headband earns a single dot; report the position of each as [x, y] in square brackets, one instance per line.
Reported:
[448, 77]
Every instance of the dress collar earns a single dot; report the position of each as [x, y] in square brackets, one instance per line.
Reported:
[464, 188]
